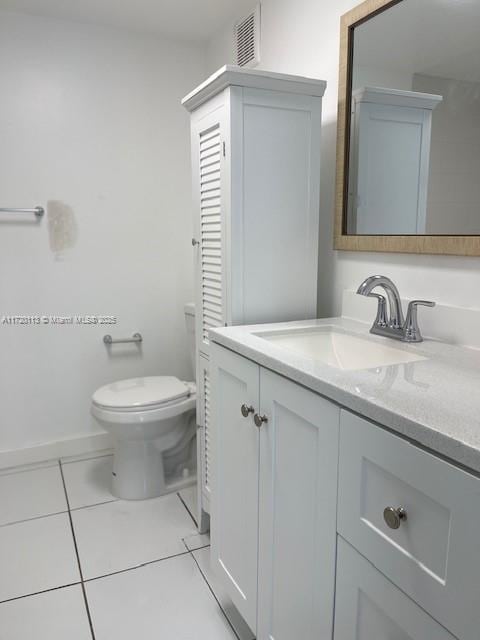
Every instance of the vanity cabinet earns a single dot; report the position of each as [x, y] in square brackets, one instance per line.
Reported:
[274, 501]
[255, 148]
[317, 510]
[433, 554]
[370, 607]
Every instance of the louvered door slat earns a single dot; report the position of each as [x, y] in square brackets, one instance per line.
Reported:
[212, 143]
[208, 135]
[210, 200]
[206, 408]
[209, 170]
[211, 187]
[210, 289]
[211, 259]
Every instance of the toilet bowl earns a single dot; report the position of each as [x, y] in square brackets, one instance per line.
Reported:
[152, 423]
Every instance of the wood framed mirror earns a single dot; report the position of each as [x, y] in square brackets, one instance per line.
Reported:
[408, 141]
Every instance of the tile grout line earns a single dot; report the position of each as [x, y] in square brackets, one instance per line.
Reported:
[213, 594]
[94, 504]
[188, 510]
[139, 566]
[77, 554]
[203, 546]
[38, 593]
[105, 575]
[47, 515]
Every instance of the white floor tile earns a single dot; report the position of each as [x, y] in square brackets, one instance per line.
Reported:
[31, 494]
[88, 482]
[36, 555]
[55, 615]
[197, 541]
[189, 496]
[168, 599]
[202, 556]
[124, 534]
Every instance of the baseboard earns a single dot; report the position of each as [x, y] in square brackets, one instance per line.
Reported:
[53, 450]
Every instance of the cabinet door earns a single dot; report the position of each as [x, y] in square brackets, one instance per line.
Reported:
[275, 166]
[369, 607]
[298, 491]
[234, 525]
[209, 187]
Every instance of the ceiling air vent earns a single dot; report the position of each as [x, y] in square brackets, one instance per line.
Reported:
[247, 39]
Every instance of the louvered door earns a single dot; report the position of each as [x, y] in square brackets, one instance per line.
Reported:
[204, 422]
[209, 161]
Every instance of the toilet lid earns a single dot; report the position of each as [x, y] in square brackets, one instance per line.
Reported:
[141, 392]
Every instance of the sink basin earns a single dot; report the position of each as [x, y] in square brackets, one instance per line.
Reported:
[338, 348]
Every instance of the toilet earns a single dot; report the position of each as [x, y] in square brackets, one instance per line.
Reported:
[152, 422]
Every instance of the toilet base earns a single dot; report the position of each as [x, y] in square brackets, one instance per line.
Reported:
[139, 474]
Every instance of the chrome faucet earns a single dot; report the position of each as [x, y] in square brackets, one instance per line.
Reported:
[392, 324]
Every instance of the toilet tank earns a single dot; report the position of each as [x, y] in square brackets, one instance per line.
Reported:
[190, 324]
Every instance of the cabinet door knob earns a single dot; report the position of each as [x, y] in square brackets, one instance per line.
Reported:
[394, 517]
[246, 410]
[195, 242]
[259, 420]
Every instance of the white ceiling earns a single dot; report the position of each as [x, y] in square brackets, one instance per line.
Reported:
[193, 20]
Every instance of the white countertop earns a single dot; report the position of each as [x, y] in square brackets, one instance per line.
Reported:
[434, 402]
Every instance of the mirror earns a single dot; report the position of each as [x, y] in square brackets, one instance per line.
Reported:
[408, 156]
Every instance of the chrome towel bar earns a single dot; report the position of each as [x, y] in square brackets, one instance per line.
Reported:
[137, 337]
[38, 211]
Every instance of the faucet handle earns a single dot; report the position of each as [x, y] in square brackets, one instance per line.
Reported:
[381, 319]
[412, 330]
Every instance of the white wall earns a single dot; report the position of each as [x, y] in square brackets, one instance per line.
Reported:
[302, 36]
[454, 183]
[90, 117]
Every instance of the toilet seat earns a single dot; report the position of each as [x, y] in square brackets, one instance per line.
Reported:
[143, 394]
[143, 400]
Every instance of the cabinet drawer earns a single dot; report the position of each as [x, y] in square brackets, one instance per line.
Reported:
[434, 554]
[370, 607]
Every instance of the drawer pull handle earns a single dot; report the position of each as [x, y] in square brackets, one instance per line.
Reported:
[246, 410]
[259, 420]
[394, 517]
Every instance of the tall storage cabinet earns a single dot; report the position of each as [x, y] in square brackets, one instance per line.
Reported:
[255, 145]
[389, 161]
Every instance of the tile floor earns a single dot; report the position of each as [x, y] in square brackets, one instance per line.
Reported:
[76, 563]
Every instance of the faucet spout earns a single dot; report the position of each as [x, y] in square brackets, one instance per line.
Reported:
[395, 319]
[392, 325]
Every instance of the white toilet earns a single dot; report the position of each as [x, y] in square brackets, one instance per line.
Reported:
[152, 421]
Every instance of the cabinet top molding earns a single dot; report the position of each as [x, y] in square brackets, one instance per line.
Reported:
[396, 97]
[231, 75]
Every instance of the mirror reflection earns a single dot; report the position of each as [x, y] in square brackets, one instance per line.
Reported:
[414, 158]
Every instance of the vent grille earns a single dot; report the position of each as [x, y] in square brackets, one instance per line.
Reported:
[247, 34]
[206, 467]
[211, 230]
